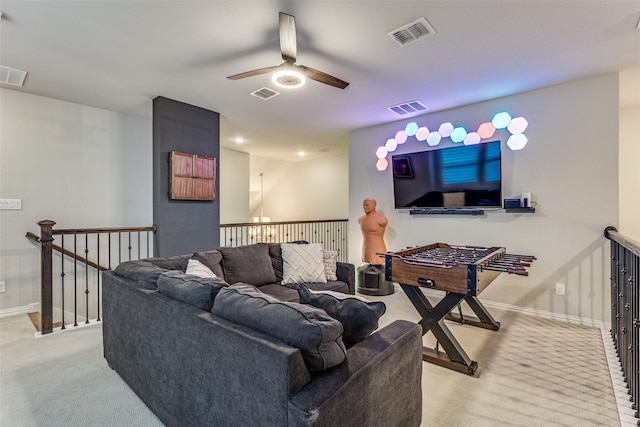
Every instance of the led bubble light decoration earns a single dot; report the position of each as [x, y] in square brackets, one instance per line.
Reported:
[502, 120]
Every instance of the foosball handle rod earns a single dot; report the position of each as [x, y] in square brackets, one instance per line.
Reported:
[509, 271]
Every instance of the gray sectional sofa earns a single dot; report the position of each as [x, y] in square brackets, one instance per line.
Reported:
[242, 349]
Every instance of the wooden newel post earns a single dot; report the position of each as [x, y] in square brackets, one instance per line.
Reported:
[46, 276]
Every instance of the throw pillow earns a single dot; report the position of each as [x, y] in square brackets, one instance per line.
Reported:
[302, 263]
[212, 259]
[330, 259]
[145, 273]
[193, 290]
[358, 316]
[248, 264]
[310, 329]
[196, 268]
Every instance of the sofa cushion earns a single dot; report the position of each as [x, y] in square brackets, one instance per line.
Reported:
[275, 252]
[178, 262]
[358, 316]
[330, 259]
[197, 268]
[211, 259]
[302, 263]
[193, 290]
[145, 273]
[310, 329]
[248, 264]
[283, 293]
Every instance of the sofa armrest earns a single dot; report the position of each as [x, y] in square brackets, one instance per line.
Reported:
[347, 273]
[378, 385]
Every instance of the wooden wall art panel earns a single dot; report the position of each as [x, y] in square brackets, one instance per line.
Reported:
[191, 177]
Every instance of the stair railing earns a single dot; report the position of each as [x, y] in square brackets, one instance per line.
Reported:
[332, 234]
[625, 305]
[127, 244]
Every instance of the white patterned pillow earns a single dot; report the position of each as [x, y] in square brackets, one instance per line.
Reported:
[196, 268]
[302, 263]
[330, 259]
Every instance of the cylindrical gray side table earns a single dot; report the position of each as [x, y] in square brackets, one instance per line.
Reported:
[370, 280]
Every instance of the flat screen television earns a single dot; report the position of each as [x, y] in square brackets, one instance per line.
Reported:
[468, 176]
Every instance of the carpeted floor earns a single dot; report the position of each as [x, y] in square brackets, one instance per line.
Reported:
[532, 372]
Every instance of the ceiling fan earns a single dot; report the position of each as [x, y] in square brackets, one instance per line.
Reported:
[289, 74]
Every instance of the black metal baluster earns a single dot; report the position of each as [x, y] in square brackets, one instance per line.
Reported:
[62, 277]
[98, 271]
[109, 251]
[75, 280]
[86, 277]
[129, 246]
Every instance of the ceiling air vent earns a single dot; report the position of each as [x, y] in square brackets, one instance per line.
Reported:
[12, 76]
[412, 32]
[265, 93]
[408, 108]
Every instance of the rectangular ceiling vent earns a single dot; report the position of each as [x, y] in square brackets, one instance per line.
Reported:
[265, 93]
[12, 76]
[408, 108]
[412, 32]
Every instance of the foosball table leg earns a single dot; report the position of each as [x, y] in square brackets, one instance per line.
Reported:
[484, 319]
[454, 357]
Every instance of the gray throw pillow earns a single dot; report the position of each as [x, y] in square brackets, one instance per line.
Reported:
[310, 329]
[248, 264]
[144, 273]
[358, 316]
[211, 259]
[193, 290]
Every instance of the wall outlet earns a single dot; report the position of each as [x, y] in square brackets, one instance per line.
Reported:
[3, 286]
[559, 288]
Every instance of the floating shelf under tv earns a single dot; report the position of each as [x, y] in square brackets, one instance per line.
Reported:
[446, 211]
[520, 210]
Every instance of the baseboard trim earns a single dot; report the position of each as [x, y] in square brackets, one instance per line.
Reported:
[582, 321]
[14, 311]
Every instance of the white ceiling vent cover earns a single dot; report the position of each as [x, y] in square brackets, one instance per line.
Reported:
[265, 93]
[12, 76]
[412, 32]
[409, 107]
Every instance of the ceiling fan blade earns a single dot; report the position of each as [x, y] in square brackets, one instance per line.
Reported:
[252, 73]
[288, 43]
[321, 77]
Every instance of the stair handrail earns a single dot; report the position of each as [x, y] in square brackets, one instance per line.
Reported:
[46, 261]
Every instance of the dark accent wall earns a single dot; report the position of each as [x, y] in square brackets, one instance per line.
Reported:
[183, 226]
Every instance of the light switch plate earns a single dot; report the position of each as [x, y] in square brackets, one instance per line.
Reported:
[10, 204]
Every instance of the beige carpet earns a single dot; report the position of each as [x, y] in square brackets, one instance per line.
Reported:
[532, 372]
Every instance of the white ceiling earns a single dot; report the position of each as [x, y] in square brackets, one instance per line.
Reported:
[119, 55]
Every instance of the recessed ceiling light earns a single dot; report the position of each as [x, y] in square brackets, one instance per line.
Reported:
[301, 153]
[238, 140]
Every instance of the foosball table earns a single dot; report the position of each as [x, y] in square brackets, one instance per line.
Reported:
[462, 272]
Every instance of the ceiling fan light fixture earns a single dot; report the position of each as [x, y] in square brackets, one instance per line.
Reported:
[289, 79]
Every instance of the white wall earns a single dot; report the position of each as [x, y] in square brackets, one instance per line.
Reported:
[234, 184]
[570, 165]
[76, 165]
[308, 190]
[630, 172]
